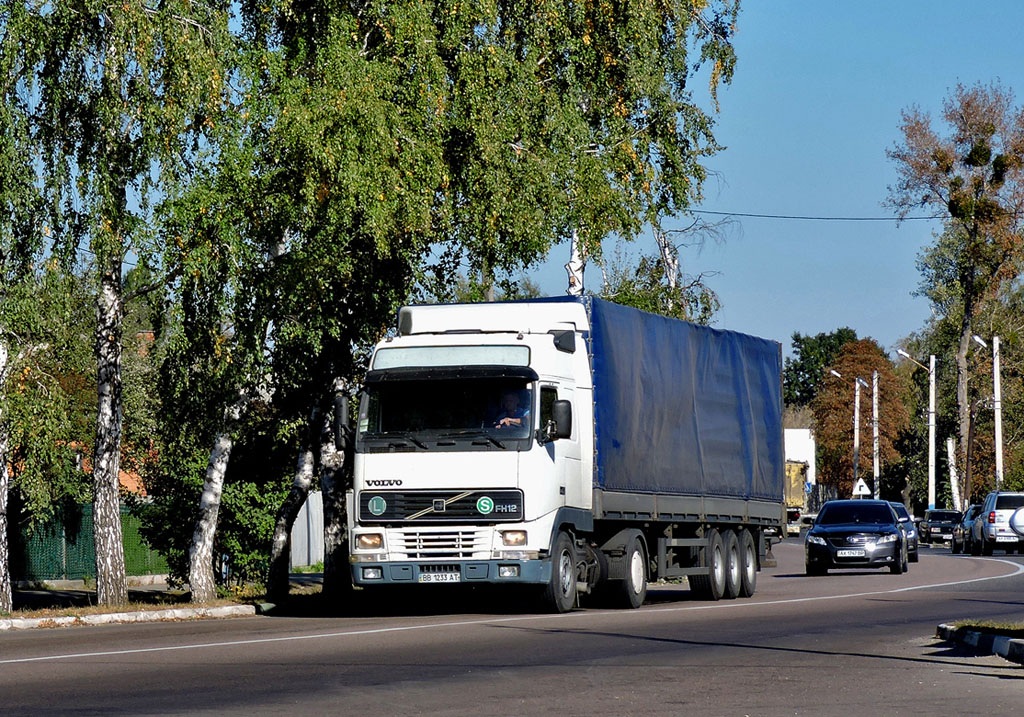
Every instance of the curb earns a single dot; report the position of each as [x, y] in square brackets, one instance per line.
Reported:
[986, 643]
[181, 613]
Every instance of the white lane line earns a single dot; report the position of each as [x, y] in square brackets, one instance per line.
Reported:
[1018, 569]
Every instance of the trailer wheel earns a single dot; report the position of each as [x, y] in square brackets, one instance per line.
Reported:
[748, 564]
[560, 592]
[733, 564]
[632, 591]
[712, 585]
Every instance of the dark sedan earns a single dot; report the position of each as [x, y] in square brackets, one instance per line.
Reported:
[855, 534]
[938, 525]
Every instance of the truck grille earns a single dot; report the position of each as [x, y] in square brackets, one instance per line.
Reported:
[440, 544]
[448, 506]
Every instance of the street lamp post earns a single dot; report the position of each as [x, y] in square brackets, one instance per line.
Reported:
[856, 421]
[997, 406]
[931, 421]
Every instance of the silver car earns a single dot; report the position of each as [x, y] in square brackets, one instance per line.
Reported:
[999, 525]
[909, 529]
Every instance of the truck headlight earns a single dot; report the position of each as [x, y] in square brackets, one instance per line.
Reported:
[512, 538]
[369, 541]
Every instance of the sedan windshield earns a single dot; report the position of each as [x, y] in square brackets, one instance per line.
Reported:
[851, 513]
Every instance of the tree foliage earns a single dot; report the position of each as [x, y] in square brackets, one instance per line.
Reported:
[834, 406]
[812, 355]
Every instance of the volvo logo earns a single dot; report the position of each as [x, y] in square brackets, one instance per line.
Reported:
[384, 483]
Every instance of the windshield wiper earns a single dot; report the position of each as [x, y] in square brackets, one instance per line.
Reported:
[475, 434]
[392, 436]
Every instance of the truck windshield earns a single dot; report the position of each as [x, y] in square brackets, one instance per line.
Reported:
[433, 413]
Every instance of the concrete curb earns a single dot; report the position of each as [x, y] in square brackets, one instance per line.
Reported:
[181, 613]
[1005, 647]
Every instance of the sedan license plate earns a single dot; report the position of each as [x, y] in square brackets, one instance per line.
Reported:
[850, 553]
[440, 577]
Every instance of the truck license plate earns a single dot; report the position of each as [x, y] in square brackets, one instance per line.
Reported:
[440, 577]
[850, 553]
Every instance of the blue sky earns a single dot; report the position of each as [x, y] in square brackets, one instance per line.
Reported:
[813, 107]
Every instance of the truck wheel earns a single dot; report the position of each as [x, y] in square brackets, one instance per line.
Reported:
[975, 547]
[748, 564]
[986, 547]
[632, 591]
[733, 564]
[560, 592]
[712, 585]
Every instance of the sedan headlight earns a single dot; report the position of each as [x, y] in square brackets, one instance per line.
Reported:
[890, 538]
[817, 540]
[911, 533]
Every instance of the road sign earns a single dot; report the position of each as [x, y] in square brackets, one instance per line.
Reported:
[861, 489]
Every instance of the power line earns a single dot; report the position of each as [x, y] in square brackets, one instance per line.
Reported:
[816, 219]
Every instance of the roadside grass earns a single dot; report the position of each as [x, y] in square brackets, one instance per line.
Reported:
[1013, 630]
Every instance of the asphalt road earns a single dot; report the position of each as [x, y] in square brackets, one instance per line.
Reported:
[844, 644]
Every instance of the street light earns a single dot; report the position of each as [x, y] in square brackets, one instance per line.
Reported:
[931, 421]
[857, 383]
[998, 407]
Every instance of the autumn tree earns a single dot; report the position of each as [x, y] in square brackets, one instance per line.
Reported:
[833, 409]
[973, 176]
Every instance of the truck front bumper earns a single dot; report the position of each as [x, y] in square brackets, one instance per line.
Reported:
[452, 572]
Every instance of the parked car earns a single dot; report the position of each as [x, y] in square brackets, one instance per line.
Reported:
[960, 540]
[1000, 524]
[909, 528]
[855, 534]
[938, 525]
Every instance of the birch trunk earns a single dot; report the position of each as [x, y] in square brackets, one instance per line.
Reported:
[277, 582]
[6, 603]
[200, 555]
[954, 481]
[577, 263]
[963, 408]
[335, 477]
[111, 582]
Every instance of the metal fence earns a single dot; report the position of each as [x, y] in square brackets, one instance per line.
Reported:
[63, 549]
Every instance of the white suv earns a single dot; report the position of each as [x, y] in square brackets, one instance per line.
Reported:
[1000, 524]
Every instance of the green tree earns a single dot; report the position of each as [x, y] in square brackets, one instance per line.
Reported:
[812, 355]
[118, 98]
[973, 176]
[833, 409]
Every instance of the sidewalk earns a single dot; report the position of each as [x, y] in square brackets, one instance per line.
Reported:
[58, 597]
[984, 643]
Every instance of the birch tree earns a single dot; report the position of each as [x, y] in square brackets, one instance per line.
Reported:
[974, 178]
[120, 94]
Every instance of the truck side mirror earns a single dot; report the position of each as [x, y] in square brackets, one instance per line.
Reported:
[561, 420]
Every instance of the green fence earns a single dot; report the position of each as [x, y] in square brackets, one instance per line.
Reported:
[62, 549]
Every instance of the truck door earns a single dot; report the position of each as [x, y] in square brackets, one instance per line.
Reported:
[566, 451]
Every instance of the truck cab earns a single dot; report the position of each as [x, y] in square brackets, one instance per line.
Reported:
[462, 471]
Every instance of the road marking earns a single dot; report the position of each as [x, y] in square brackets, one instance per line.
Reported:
[1018, 569]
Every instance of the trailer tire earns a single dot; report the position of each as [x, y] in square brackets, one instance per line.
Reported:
[631, 592]
[748, 563]
[712, 585]
[733, 565]
[560, 592]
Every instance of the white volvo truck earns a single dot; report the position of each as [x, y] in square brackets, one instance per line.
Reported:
[568, 443]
